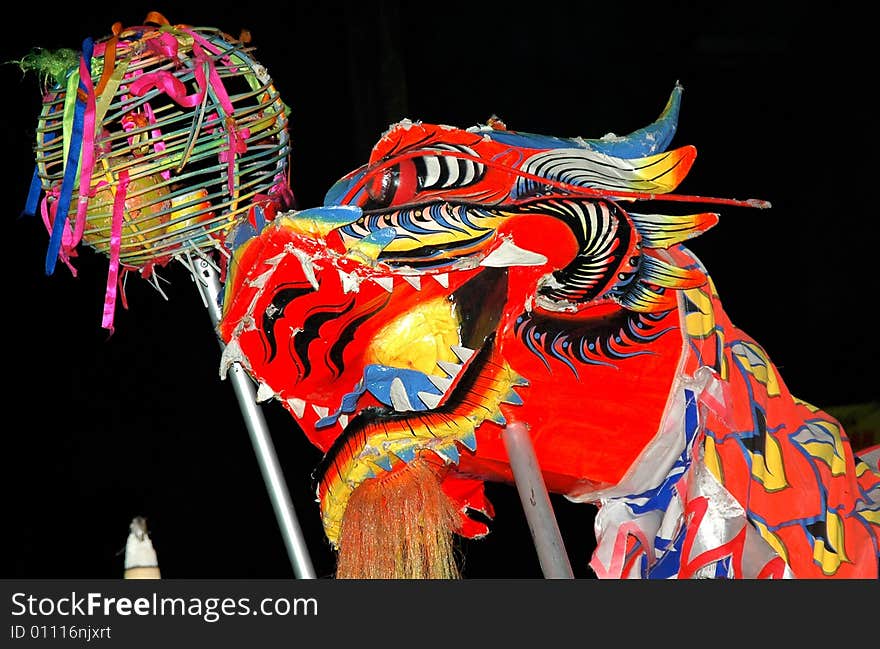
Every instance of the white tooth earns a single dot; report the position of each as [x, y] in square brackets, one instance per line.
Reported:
[509, 254]
[298, 406]
[450, 368]
[321, 411]
[343, 421]
[350, 281]
[414, 280]
[430, 400]
[463, 353]
[264, 393]
[440, 382]
[442, 279]
[399, 397]
[385, 282]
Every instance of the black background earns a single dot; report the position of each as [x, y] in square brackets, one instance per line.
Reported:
[778, 101]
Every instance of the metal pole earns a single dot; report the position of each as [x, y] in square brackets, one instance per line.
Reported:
[536, 503]
[207, 280]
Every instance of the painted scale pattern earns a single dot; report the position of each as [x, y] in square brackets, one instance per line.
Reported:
[799, 503]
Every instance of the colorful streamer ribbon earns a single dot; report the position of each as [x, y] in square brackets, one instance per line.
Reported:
[73, 155]
[115, 243]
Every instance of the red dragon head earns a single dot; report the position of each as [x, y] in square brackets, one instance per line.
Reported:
[463, 280]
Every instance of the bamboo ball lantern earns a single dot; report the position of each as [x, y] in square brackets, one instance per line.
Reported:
[159, 141]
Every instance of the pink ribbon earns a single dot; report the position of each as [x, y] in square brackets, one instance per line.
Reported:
[171, 86]
[115, 244]
[164, 45]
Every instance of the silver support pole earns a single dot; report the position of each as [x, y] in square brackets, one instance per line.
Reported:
[536, 503]
[208, 282]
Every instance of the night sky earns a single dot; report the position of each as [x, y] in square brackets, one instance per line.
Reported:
[102, 428]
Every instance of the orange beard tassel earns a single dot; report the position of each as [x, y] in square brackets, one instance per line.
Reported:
[399, 525]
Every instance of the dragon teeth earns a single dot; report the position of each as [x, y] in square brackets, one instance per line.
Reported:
[321, 411]
[451, 369]
[469, 440]
[405, 453]
[463, 353]
[298, 406]
[449, 453]
[498, 418]
[399, 398]
[350, 281]
[385, 282]
[440, 382]
[413, 280]
[264, 393]
[512, 398]
[442, 279]
[429, 399]
[520, 381]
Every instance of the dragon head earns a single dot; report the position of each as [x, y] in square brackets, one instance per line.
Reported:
[463, 279]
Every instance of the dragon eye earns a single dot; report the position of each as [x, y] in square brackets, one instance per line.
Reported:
[382, 186]
[392, 185]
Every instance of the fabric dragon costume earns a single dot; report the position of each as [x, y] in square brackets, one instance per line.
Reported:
[462, 280]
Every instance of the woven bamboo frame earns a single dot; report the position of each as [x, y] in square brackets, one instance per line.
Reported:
[178, 196]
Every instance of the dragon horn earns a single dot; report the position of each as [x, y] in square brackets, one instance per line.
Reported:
[649, 140]
[653, 138]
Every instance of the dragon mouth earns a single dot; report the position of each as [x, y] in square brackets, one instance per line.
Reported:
[381, 440]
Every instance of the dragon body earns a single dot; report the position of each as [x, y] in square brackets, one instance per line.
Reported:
[466, 279]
